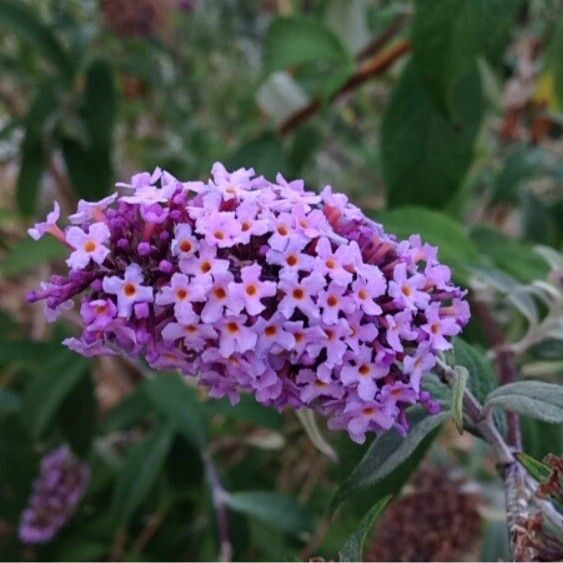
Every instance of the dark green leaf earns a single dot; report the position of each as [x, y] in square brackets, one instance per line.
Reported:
[248, 410]
[265, 154]
[388, 451]
[541, 438]
[178, 404]
[9, 402]
[34, 150]
[49, 388]
[131, 410]
[353, 549]
[537, 399]
[299, 40]
[448, 37]
[90, 170]
[28, 353]
[27, 254]
[143, 465]
[100, 103]
[77, 416]
[425, 158]
[516, 258]
[19, 18]
[276, 509]
[538, 470]
[455, 247]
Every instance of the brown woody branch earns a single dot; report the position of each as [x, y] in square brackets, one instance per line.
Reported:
[374, 66]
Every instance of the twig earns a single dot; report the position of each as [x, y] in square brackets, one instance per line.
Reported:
[516, 487]
[379, 42]
[153, 524]
[218, 495]
[506, 366]
[371, 68]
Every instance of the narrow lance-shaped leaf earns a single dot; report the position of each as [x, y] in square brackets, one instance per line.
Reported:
[177, 403]
[538, 470]
[34, 149]
[142, 468]
[353, 549]
[458, 390]
[543, 401]
[276, 509]
[48, 390]
[388, 451]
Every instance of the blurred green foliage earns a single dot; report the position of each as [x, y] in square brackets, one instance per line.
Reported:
[439, 117]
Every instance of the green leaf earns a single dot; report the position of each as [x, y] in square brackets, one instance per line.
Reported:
[20, 19]
[448, 36]
[248, 410]
[34, 151]
[143, 465]
[538, 470]
[265, 154]
[516, 258]
[458, 389]
[353, 549]
[278, 510]
[543, 401]
[424, 157]
[49, 388]
[177, 403]
[481, 375]
[24, 352]
[77, 415]
[27, 254]
[307, 418]
[388, 451]
[128, 412]
[300, 40]
[455, 247]
[10, 402]
[100, 103]
[555, 58]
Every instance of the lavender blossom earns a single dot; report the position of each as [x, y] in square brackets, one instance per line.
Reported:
[56, 494]
[261, 287]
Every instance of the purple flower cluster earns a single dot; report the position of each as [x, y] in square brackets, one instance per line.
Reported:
[258, 286]
[56, 494]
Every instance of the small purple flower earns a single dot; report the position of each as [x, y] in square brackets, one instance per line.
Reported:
[219, 298]
[88, 246]
[248, 294]
[91, 210]
[98, 313]
[399, 326]
[129, 289]
[333, 303]
[56, 495]
[299, 295]
[438, 328]
[272, 336]
[332, 263]
[182, 293]
[408, 291]
[220, 229]
[47, 226]
[235, 336]
[365, 293]
[360, 368]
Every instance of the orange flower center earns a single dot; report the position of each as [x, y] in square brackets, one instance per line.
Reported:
[245, 226]
[332, 301]
[407, 290]
[181, 294]
[271, 330]
[283, 230]
[205, 267]
[298, 293]
[220, 293]
[185, 246]
[90, 246]
[363, 294]
[129, 289]
[330, 264]
[232, 327]
[292, 260]
[251, 290]
[364, 370]
[219, 235]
